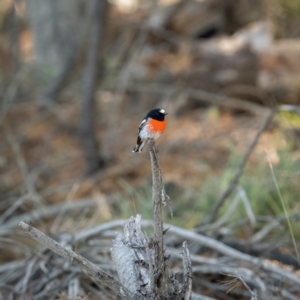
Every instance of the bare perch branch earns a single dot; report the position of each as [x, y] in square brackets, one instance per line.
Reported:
[77, 260]
[157, 210]
[140, 261]
[165, 199]
[235, 180]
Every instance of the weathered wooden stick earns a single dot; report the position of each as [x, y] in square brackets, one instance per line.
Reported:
[139, 260]
[96, 273]
[157, 193]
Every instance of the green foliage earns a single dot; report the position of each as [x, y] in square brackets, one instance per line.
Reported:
[291, 7]
[261, 189]
[289, 119]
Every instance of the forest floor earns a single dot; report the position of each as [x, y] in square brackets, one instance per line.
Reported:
[42, 165]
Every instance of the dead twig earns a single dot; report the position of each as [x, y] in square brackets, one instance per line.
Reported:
[261, 234]
[248, 275]
[236, 281]
[201, 297]
[46, 212]
[73, 287]
[93, 271]
[235, 180]
[58, 220]
[228, 251]
[218, 266]
[29, 184]
[97, 230]
[239, 196]
[187, 272]
[222, 100]
[203, 96]
[204, 241]
[165, 199]
[9, 95]
[14, 206]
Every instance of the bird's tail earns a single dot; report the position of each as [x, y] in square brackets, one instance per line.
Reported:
[139, 146]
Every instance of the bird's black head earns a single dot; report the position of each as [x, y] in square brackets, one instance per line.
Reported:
[157, 114]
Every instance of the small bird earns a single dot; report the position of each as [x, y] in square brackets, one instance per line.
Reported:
[152, 126]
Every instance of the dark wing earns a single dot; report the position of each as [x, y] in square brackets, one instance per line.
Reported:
[143, 123]
[140, 143]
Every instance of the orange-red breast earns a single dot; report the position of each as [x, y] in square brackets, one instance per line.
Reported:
[152, 126]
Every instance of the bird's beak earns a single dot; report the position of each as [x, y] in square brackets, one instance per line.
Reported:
[166, 113]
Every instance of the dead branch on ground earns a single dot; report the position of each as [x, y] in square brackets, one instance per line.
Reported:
[208, 242]
[235, 180]
[46, 212]
[140, 261]
[96, 273]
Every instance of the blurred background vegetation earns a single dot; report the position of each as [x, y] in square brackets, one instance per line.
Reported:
[77, 77]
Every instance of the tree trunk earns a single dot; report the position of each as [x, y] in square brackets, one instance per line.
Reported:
[57, 27]
[92, 72]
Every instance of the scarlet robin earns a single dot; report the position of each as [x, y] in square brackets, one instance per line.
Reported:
[152, 126]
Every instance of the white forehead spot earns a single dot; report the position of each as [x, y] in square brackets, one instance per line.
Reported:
[162, 111]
